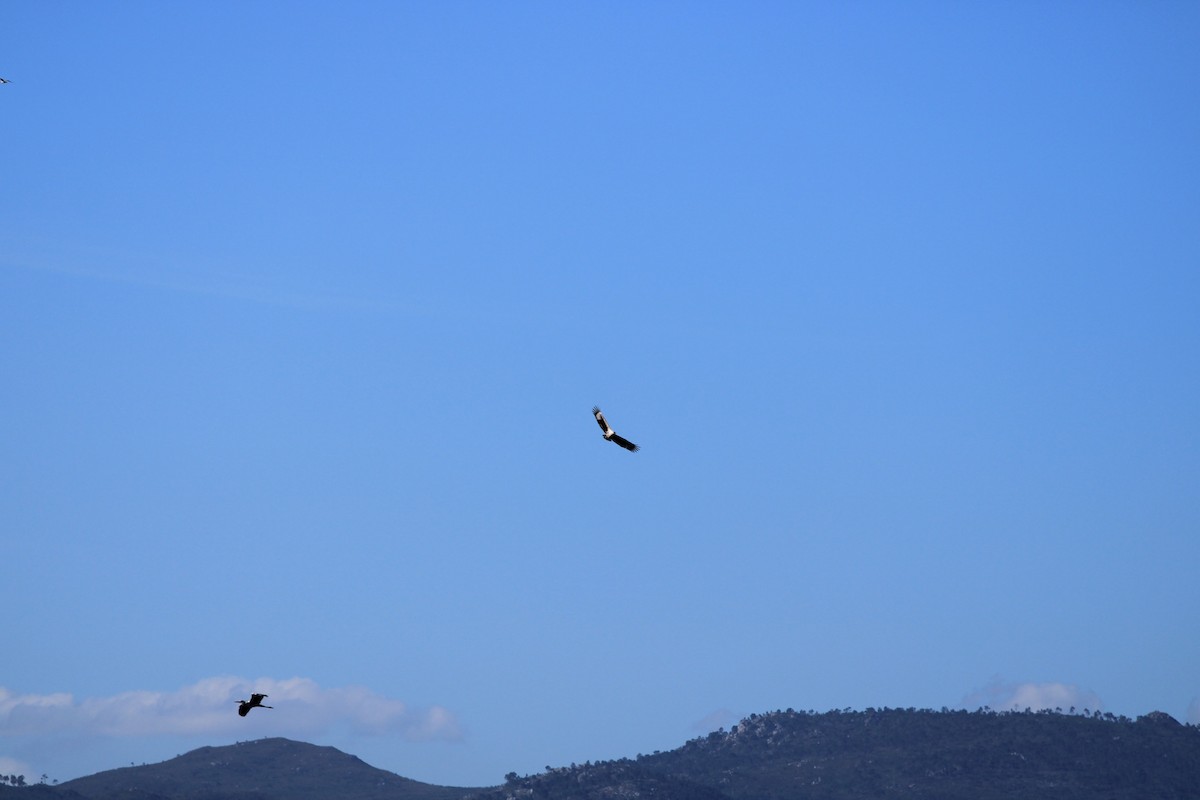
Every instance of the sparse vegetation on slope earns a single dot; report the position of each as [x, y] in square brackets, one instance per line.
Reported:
[944, 755]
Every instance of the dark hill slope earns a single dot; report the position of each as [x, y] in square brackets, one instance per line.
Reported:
[610, 780]
[36, 791]
[906, 754]
[265, 769]
[943, 755]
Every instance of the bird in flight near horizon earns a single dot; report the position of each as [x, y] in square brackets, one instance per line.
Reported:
[255, 701]
[610, 434]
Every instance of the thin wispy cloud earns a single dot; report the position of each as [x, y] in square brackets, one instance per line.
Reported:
[208, 280]
[1006, 696]
[717, 719]
[207, 707]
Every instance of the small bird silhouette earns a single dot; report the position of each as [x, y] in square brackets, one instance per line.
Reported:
[255, 701]
[5, 80]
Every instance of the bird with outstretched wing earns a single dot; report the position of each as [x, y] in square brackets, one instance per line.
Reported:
[255, 701]
[610, 434]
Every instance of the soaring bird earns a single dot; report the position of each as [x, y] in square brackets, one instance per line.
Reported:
[610, 434]
[255, 701]
[5, 80]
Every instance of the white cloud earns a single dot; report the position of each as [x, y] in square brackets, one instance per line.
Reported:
[207, 707]
[717, 719]
[10, 766]
[1003, 696]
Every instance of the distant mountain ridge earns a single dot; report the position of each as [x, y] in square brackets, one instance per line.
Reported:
[782, 755]
[894, 753]
[263, 769]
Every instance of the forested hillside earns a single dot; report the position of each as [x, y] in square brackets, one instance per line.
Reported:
[980, 755]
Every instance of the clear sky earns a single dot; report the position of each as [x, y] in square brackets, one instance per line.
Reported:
[304, 308]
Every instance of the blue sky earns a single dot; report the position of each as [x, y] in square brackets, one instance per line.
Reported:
[304, 308]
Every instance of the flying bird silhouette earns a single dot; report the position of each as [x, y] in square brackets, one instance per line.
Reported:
[5, 80]
[255, 701]
[610, 434]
